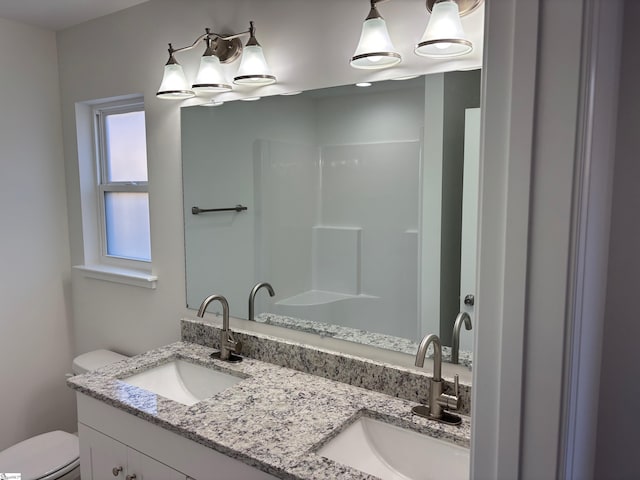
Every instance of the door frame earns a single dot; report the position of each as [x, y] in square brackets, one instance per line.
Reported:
[542, 244]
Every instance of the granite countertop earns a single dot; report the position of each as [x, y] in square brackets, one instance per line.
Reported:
[273, 420]
[356, 335]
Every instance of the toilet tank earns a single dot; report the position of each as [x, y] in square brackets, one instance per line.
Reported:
[95, 359]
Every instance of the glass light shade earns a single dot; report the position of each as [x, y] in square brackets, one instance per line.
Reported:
[174, 84]
[375, 49]
[253, 68]
[444, 35]
[210, 78]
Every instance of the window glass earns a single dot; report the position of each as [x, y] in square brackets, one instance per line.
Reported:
[127, 225]
[126, 147]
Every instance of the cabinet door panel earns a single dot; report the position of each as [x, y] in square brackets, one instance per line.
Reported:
[146, 468]
[100, 455]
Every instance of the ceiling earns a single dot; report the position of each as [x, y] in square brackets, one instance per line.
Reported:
[60, 14]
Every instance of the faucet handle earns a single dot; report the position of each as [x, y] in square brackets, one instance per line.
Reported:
[451, 402]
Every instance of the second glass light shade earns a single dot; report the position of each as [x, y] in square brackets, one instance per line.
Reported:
[210, 78]
[253, 68]
[375, 50]
[444, 35]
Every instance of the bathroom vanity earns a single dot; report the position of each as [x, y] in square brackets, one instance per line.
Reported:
[271, 423]
[115, 444]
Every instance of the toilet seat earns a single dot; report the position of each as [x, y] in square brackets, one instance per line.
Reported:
[44, 457]
[59, 474]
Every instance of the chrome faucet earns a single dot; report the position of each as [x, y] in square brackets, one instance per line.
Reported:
[463, 317]
[438, 402]
[229, 347]
[252, 296]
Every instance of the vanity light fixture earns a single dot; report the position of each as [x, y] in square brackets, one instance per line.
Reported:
[253, 70]
[363, 84]
[375, 49]
[444, 36]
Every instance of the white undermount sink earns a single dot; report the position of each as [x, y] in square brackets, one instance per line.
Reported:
[182, 381]
[393, 453]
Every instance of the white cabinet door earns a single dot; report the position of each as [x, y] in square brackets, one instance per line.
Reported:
[156, 444]
[146, 468]
[104, 458]
[101, 456]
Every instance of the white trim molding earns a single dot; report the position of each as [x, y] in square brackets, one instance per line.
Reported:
[508, 93]
[545, 196]
[121, 275]
[593, 187]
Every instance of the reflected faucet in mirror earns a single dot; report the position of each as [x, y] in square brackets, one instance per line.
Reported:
[463, 317]
[439, 402]
[252, 297]
[378, 219]
[229, 347]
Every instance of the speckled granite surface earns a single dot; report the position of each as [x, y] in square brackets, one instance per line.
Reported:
[392, 380]
[379, 340]
[273, 420]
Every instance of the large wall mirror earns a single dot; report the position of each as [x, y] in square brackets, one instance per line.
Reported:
[360, 204]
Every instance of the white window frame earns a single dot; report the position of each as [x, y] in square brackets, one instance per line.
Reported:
[95, 262]
[100, 113]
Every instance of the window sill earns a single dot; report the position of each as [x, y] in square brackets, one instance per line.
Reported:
[125, 276]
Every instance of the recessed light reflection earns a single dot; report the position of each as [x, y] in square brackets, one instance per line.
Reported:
[250, 99]
[213, 103]
[363, 84]
[406, 77]
[297, 92]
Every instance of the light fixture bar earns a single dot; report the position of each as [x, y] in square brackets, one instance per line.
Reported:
[227, 47]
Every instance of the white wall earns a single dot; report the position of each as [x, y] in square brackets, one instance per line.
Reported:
[307, 44]
[35, 320]
[616, 448]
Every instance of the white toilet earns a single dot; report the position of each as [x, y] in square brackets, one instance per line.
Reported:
[54, 455]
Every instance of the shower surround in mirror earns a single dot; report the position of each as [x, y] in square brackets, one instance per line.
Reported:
[334, 181]
[356, 214]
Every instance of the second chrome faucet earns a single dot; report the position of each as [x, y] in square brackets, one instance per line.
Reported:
[462, 318]
[229, 347]
[438, 402]
[252, 296]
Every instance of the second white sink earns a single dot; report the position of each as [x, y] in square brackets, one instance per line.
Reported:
[393, 453]
[182, 381]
